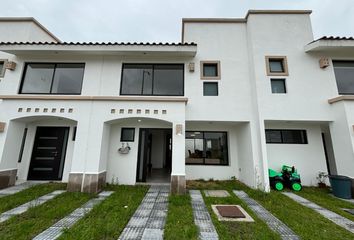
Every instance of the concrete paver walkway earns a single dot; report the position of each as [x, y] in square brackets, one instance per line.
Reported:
[334, 217]
[273, 223]
[24, 207]
[57, 229]
[202, 217]
[148, 221]
[17, 188]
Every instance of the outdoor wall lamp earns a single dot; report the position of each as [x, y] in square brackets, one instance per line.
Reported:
[179, 129]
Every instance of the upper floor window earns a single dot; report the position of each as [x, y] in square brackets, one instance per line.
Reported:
[277, 66]
[2, 68]
[210, 70]
[344, 72]
[152, 79]
[52, 78]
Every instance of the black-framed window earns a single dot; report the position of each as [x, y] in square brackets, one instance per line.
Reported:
[210, 89]
[127, 135]
[344, 72]
[52, 78]
[152, 79]
[276, 65]
[206, 148]
[286, 136]
[210, 70]
[2, 68]
[278, 85]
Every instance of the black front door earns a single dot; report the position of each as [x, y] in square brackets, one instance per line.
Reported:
[48, 155]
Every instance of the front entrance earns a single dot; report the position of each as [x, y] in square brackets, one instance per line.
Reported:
[48, 154]
[154, 156]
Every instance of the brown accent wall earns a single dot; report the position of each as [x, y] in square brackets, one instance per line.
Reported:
[178, 184]
[7, 178]
[75, 182]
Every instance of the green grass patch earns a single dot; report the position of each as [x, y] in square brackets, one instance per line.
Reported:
[37, 219]
[108, 219]
[180, 222]
[17, 199]
[322, 197]
[305, 222]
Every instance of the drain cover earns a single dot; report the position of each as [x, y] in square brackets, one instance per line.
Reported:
[230, 212]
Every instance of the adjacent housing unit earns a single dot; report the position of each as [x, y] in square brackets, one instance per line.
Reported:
[234, 98]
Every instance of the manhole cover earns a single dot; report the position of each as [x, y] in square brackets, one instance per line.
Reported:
[230, 212]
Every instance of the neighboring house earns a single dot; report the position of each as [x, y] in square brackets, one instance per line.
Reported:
[236, 97]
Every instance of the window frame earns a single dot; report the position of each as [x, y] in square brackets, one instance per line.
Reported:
[210, 83]
[284, 62]
[2, 71]
[55, 67]
[337, 85]
[279, 79]
[218, 69]
[152, 64]
[282, 139]
[212, 164]
[121, 134]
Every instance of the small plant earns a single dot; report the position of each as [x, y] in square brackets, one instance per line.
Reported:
[233, 178]
[322, 178]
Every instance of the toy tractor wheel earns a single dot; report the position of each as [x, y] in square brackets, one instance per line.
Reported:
[296, 186]
[279, 186]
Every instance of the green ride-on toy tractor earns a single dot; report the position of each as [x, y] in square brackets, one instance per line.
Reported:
[287, 177]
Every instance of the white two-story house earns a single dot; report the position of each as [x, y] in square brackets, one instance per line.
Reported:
[234, 98]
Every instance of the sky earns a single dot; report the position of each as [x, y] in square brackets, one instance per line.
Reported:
[160, 20]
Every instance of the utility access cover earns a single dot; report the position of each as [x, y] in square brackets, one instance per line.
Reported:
[231, 213]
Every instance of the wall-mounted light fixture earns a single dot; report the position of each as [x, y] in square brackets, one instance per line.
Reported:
[2, 126]
[191, 67]
[324, 62]
[179, 129]
[10, 65]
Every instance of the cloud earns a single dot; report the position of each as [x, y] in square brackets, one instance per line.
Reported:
[160, 20]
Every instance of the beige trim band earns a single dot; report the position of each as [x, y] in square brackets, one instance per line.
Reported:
[285, 66]
[341, 98]
[218, 69]
[94, 98]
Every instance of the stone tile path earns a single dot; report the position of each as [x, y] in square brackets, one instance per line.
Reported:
[17, 188]
[334, 217]
[24, 207]
[216, 193]
[56, 230]
[273, 223]
[202, 217]
[148, 221]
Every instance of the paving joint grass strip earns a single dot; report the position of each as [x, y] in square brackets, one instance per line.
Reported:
[17, 188]
[202, 217]
[332, 216]
[24, 207]
[273, 223]
[56, 230]
[148, 221]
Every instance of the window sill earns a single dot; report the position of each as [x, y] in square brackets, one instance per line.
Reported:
[94, 98]
[341, 98]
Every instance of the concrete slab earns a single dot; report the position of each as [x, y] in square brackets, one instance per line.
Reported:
[216, 193]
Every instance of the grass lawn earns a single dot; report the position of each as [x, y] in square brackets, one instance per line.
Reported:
[37, 219]
[321, 197]
[303, 221]
[108, 219]
[17, 199]
[180, 222]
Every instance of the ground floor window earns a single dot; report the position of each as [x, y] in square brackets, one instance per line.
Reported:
[206, 148]
[286, 136]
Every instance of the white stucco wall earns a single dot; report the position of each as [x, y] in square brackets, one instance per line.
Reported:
[309, 159]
